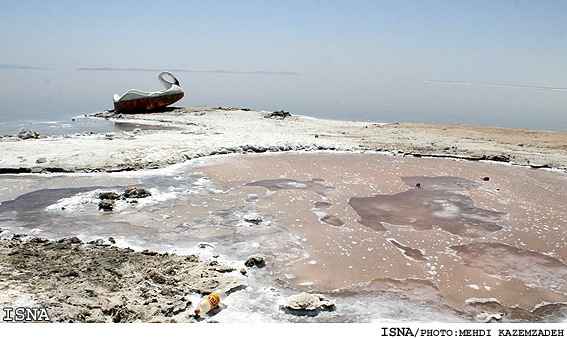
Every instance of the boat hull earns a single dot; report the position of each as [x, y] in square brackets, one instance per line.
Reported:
[142, 105]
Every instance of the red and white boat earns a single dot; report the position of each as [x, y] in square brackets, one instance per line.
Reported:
[136, 101]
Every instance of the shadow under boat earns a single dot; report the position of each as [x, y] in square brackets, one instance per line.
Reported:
[132, 126]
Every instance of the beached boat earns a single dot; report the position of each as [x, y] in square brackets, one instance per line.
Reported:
[136, 101]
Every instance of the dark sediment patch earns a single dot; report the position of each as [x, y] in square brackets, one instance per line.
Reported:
[332, 220]
[34, 201]
[323, 204]
[438, 202]
[130, 127]
[411, 253]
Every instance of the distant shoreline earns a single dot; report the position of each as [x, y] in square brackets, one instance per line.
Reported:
[183, 70]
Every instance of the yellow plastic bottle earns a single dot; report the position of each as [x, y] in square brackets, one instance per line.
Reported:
[210, 302]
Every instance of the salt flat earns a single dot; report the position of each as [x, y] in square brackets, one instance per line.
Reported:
[202, 131]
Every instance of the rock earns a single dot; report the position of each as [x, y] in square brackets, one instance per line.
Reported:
[98, 242]
[106, 205]
[41, 160]
[136, 193]
[255, 260]
[73, 240]
[307, 304]
[26, 133]
[223, 268]
[150, 253]
[253, 218]
[109, 196]
[192, 258]
[37, 240]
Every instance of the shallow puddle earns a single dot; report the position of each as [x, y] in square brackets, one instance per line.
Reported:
[391, 238]
[365, 218]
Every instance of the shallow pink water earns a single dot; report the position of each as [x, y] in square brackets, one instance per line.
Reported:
[371, 230]
[481, 235]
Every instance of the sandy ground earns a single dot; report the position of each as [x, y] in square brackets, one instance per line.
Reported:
[203, 131]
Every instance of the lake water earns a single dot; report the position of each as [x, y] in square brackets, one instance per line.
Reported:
[47, 100]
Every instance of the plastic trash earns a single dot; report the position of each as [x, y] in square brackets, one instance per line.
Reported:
[210, 302]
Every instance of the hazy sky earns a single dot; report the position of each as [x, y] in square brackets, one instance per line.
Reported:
[514, 42]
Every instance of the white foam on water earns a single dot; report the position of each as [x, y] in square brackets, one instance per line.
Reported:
[80, 201]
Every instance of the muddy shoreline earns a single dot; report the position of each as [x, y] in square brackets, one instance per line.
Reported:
[100, 282]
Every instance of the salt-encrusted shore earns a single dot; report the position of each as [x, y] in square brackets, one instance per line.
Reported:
[203, 131]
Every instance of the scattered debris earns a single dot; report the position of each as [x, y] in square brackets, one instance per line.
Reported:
[210, 302]
[278, 115]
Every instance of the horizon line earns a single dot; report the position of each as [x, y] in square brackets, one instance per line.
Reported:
[495, 85]
[182, 70]
[14, 66]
